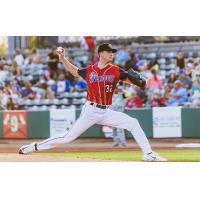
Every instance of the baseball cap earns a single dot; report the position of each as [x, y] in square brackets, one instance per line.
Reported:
[106, 47]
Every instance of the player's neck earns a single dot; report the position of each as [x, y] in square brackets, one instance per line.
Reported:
[102, 64]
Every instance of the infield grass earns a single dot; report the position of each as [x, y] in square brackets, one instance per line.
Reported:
[176, 155]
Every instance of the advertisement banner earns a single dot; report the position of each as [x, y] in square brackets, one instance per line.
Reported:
[14, 124]
[167, 122]
[61, 120]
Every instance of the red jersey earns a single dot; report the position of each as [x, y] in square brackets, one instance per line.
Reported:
[101, 83]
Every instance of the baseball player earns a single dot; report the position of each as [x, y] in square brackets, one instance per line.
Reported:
[101, 79]
[118, 105]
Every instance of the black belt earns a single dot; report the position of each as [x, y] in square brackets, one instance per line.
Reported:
[99, 106]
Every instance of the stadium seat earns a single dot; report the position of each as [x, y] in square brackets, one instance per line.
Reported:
[162, 61]
[63, 107]
[33, 108]
[151, 56]
[162, 66]
[195, 54]
[170, 54]
[44, 107]
[53, 107]
[57, 102]
[28, 102]
[46, 102]
[37, 102]
[65, 102]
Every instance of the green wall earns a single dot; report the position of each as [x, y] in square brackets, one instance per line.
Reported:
[190, 122]
[144, 116]
[38, 124]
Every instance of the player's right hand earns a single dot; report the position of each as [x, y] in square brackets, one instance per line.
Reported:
[61, 52]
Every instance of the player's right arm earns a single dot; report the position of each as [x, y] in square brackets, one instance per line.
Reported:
[68, 66]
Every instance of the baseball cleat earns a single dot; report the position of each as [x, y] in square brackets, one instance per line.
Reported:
[153, 157]
[28, 148]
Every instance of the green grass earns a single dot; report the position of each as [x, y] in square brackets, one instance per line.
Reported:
[180, 155]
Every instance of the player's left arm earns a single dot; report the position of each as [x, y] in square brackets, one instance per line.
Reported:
[131, 76]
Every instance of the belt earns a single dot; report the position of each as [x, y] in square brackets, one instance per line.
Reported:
[99, 106]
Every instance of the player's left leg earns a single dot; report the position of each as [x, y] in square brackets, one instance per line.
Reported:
[86, 120]
[124, 121]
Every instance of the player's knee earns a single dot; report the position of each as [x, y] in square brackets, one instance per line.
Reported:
[133, 124]
[134, 121]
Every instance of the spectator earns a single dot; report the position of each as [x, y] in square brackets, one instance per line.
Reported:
[27, 92]
[19, 57]
[35, 57]
[185, 80]
[52, 84]
[15, 85]
[166, 92]
[118, 105]
[157, 100]
[122, 56]
[154, 82]
[195, 94]
[52, 61]
[180, 60]
[196, 70]
[172, 78]
[63, 85]
[178, 95]
[3, 74]
[48, 93]
[15, 70]
[153, 64]
[141, 93]
[134, 101]
[16, 97]
[79, 85]
[128, 90]
[6, 98]
[132, 63]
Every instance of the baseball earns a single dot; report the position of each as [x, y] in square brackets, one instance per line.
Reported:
[59, 49]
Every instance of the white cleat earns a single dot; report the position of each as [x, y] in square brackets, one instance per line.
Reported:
[28, 148]
[153, 157]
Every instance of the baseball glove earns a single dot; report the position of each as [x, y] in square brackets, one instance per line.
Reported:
[136, 78]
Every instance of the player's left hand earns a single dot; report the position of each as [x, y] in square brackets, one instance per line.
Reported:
[136, 78]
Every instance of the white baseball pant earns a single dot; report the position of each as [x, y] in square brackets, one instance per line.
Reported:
[90, 115]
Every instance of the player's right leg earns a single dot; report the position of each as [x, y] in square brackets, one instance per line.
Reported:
[86, 120]
[124, 121]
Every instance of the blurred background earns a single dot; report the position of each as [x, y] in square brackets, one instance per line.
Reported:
[32, 78]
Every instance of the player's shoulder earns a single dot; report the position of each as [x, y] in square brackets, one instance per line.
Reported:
[114, 65]
[90, 66]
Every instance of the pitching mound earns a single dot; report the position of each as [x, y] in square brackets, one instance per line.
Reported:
[11, 157]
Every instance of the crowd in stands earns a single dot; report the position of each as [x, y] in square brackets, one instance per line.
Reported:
[28, 81]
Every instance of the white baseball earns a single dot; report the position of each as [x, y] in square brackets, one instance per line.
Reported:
[59, 49]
